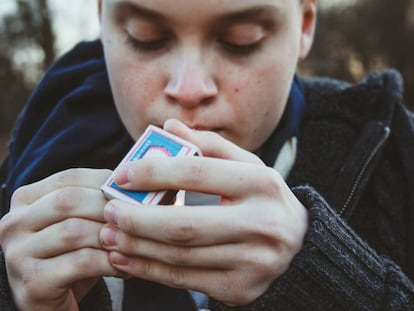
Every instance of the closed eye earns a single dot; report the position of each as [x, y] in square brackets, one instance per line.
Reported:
[239, 49]
[147, 45]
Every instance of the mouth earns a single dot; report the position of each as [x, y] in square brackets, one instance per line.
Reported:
[207, 128]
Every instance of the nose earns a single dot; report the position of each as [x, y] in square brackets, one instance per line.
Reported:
[190, 83]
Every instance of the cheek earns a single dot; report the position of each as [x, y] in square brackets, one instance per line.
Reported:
[258, 103]
[135, 89]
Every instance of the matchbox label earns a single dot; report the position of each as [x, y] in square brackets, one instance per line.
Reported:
[155, 142]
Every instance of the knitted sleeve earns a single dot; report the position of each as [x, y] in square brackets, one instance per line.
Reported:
[335, 270]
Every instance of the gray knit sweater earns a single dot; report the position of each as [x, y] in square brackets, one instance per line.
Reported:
[356, 151]
[355, 173]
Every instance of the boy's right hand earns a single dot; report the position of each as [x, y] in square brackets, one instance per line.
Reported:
[50, 240]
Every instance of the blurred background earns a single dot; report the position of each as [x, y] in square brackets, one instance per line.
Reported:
[353, 37]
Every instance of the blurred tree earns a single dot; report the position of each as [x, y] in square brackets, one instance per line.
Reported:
[26, 50]
[368, 35]
[14, 93]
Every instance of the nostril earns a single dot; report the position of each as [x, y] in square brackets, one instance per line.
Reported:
[191, 95]
[190, 84]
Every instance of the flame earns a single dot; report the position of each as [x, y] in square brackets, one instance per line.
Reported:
[180, 198]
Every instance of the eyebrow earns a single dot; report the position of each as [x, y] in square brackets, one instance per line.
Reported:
[261, 12]
[138, 11]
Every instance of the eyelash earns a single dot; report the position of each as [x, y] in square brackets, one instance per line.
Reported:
[146, 46]
[158, 45]
[239, 50]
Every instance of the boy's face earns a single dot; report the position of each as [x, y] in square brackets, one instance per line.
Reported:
[219, 65]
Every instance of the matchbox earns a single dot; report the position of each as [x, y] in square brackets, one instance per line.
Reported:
[154, 142]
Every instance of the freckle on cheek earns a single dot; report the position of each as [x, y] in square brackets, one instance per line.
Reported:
[236, 90]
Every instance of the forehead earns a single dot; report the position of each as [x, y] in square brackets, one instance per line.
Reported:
[196, 11]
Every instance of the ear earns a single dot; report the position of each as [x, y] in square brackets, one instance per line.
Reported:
[308, 26]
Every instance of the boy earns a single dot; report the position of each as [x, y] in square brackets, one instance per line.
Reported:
[220, 74]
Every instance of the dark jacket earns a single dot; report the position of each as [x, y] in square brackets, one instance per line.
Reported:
[354, 172]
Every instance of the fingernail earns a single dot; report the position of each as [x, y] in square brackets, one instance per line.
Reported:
[121, 176]
[119, 259]
[109, 236]
[111, 213]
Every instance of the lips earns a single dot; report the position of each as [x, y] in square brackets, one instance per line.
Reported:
[206, 128]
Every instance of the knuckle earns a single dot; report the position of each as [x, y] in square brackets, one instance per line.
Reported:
[192, 171]
[270, 182]
[14, 259]
[72, 231]
[241, 290]
[176, 277]
[20, 195]
[195, 171]
[8, 222]
[69, 175]
[147, 269]
[178, 255]
[84, 260]
[180, 231]
[263, 263]
[64, 200]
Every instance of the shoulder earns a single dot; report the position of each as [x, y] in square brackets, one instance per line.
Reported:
[70, 70]
[82, 52]
[388, 80]
[374, 97]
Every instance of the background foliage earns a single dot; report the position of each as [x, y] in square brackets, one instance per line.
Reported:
[351, 40]
[365, 36]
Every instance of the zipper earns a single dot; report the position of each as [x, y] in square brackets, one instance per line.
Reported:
[386, 134]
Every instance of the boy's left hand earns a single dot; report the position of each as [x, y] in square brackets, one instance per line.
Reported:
[231, 252]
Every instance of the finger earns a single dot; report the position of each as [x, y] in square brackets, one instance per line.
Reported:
[64, 203]
[152, 270]
[81, 177]
[211, 143]
[218, 256]
[227, 286]
[62, 271]
[230, 179]
[64, 237]
[177, 225]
